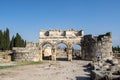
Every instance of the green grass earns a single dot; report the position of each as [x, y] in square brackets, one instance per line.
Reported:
[21, 64]
[4, 67]
[27, 63]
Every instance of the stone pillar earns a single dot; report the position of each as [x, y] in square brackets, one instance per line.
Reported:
[69, 51]
[82, 54]
[54, 53]
[40, 48]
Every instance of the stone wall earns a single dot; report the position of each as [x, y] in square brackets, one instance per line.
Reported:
[29, 53]
[88, 47]
[104, 44]
[94, 45]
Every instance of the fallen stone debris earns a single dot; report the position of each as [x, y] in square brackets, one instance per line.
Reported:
[104, 69]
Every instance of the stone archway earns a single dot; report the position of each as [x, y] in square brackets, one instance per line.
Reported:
[41, 44]
[76, 51]
[54, 37]
[61, 51]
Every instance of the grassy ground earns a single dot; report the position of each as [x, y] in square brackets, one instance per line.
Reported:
[4, 67]
[27, 63]
[4, 53]
[20, 64]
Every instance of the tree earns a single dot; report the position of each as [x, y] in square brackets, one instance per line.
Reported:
[12, 43]
[19, 42]
[7, 39]
[1, 37]
[118, 48]
[4, 41]
[24, 43]
[6, 44]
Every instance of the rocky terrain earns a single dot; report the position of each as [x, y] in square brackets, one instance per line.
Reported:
[49, 70]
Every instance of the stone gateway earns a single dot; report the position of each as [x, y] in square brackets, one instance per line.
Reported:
[55, 37]
[90, 45]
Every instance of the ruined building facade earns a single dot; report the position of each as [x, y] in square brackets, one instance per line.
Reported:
[90, 45]
[94, 45]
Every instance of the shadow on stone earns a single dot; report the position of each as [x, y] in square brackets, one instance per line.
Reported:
[61, 59]
[82, 78]
[77, 58]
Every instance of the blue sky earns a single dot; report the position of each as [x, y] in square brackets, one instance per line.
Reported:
[28, 17]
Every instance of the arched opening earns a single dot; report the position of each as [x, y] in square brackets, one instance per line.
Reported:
[76, 52]
[47, 51]
[61, 52]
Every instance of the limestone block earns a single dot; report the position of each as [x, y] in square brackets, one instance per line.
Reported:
[115, 61]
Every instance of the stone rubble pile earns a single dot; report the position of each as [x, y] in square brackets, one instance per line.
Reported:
[104, 70]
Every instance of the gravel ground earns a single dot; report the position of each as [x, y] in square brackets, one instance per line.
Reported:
[50, 70]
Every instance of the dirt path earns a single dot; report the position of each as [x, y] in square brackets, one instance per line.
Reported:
[59, 70]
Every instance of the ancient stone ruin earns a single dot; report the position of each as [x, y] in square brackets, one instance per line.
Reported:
[54, 37]
[97, 45]
[28, 53]
[91, 46]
